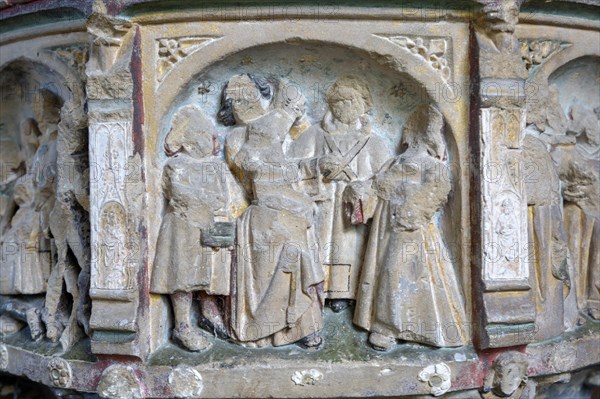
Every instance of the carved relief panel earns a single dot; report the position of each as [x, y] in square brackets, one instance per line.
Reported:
[45, 260]
[506, 258]
[301, 173]
[112, 269]
[262, 208]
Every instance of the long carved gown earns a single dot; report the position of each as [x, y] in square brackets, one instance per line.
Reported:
[408, 287]
[24, 269]
[342, 244]
[196, 195]
[276, 297]
[549, 246]
[26, 258]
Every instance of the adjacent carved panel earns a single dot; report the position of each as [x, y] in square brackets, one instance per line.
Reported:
[44, 268]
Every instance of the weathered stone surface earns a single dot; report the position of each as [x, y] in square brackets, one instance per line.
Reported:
[298, 200]
[119, 382]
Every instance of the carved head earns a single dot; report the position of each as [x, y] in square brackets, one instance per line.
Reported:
[423, 131]
[245, 97]
[507, 206]
[24, 191]
[349, 98]
[46, 109]
[191, 133]
[500, 15]
[509, 371]
[67, 198]
[584, 124]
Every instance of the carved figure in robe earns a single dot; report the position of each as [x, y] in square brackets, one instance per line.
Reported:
[549, 241]
[10, 169]
[277, 284]
[200, 191]
[408, 288]
[579, 170]
[345, 151]
[70, 231]
[25, 266]
[506, 228]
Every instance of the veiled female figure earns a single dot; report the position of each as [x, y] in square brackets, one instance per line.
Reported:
[408, 288]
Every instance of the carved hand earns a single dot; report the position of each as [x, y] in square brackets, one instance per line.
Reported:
[291, 100]
[329, 163]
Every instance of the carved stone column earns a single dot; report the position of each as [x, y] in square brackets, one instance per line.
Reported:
[504, 298]
[116, 189]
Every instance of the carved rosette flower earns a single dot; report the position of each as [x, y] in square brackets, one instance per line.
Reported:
[307, 377]
[536, 51]
[437, 377]
[120, 382]
[433, 51]
[60, 372]
[3, 357]
[168, 49]
[173, 50]
[186, 382]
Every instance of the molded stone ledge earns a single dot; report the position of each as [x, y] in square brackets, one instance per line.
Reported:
[259, 375]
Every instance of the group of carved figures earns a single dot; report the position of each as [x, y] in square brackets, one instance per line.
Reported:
[330, 211]
[291, 215]
[44, 227]
[297, 213]
[564, 200]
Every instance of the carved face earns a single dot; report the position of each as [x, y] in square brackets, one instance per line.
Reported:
[45, 106]
[246, 100]
[502, 16]
[508, 379]
[347, 105]
[509, 372]
[507, 206]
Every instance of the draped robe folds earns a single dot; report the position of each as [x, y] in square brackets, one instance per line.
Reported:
[24, 269]
[408, 287]
[275, 296]
[26, 256]
[549, 243]
[583, 237]
[198, 190]
[341, 244]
